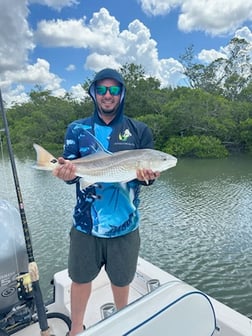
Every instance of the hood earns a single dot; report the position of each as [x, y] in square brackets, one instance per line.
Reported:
[103, 74]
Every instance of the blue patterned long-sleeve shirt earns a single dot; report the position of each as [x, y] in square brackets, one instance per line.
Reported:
[106, 209]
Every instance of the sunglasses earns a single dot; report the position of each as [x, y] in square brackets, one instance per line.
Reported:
[113, 90]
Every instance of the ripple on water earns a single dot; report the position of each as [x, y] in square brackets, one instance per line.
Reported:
[203, 235]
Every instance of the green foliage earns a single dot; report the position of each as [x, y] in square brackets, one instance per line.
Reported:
[226, 76]
[196, 112]
[246, 134]
[200, 122]
[246, 94]
[43, 120]
[141, 92]
[158, 125]
[196, 147]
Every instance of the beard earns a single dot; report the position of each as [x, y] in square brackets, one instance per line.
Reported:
[108, 110]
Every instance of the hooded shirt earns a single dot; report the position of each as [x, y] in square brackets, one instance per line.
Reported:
[106, 210]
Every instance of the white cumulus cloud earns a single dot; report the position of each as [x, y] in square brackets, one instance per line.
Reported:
[107, 45]
[56, 4]
[208, 56]
[244, 33]
[215, 17]
[30, 74]
[78, 93]
[102, 42]
[16, 38]
[158, 7]
[16, 43]
[70, 67]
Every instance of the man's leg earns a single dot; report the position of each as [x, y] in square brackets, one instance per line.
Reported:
[81, 268]
[121, 295]
[122, 255]
[79, 298]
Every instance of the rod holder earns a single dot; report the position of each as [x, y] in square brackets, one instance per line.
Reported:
[107, 309]
[152, 284]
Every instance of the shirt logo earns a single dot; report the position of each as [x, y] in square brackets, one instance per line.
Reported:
[125, 135]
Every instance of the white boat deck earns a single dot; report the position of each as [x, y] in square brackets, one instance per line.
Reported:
[175, 309]
[101, 294]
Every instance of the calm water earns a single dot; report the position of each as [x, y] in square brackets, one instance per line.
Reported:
[196, 224]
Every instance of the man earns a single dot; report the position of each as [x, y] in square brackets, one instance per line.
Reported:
[105, 220]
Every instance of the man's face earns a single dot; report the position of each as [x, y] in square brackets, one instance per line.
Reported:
[107, 103]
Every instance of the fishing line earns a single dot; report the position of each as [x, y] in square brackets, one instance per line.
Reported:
[3, 170]
[33, 270]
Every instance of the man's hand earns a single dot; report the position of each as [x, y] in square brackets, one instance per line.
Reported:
[147, 175]
[66, 170]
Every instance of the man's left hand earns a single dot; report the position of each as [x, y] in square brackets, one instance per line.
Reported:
[147, 175]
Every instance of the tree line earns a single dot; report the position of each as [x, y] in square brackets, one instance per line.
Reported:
[209, 118]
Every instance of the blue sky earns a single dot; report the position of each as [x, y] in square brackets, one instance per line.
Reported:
[57, 44]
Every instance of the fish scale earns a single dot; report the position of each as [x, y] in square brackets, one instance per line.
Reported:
[113, 174]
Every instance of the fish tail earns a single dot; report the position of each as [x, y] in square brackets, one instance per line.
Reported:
[45, 160]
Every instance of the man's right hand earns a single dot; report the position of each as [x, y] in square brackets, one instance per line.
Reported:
[65, 170]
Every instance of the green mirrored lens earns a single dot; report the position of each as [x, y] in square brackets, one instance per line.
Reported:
[101, 90]
[113, 90]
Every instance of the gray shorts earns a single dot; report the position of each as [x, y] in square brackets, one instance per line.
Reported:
[88, 254]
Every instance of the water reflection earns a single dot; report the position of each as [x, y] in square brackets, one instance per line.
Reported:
[196, 224]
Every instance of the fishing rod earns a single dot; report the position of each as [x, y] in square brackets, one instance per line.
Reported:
[33, 269]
